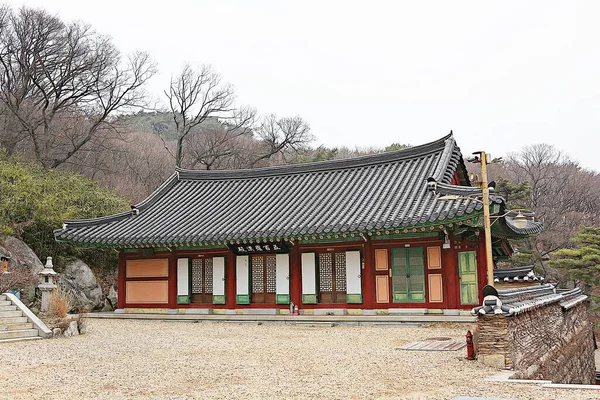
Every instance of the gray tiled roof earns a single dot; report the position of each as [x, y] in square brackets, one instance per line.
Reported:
[381, 191]
[517, 274]
[519, 300]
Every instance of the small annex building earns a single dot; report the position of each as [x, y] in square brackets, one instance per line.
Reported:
[366, 233]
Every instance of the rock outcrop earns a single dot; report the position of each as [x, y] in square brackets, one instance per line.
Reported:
[21, 255]
[112, 297]
[78, 279]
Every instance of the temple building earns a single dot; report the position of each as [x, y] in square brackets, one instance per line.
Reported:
[367, 233]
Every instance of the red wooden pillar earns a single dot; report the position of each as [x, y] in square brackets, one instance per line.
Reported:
[230, 279]
[482, 265]
[295, 276]
[368, 275]
[450, 276]
[172, 280]
[121, 281]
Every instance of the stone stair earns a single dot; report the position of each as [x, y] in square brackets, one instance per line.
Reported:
[14, 323]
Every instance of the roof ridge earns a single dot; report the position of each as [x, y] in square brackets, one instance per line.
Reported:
[321, 166]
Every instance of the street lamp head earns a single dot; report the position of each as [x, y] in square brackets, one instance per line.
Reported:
[520, 221]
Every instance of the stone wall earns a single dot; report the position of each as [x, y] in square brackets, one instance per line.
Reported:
[544, 343]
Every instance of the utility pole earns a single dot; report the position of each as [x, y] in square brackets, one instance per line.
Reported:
[483, 159]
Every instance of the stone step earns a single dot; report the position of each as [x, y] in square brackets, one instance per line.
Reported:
[16, 327]
[2, 297]
[20, 339]
[13, 320]
[8, 314]
[8, 308]
[5, 303]
[21, 333]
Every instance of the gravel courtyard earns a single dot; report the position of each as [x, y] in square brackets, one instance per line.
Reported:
[185, 360]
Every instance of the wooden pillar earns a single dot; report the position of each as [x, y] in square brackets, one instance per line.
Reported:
[482, 270]
[295, 278]
[368, 275]
[121, 281]
[450, 276]
[230, 278]
[172, 280]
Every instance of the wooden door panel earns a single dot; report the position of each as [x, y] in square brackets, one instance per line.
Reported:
[382, 289]
[467, 270]
[436, 291]
[332, 277]
[408, 275]
[399, 276]
[416, 285]
[381, 260]
[434, 258]
[201, 280]
[263, 278]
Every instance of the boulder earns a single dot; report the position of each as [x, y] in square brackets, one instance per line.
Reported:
[20, 254]
[107, 307]
[112, 297]
[78, 279]
[23, 261]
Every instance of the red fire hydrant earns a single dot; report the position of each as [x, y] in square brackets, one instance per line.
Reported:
[470, 350]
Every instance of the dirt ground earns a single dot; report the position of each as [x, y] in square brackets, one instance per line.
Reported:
[186, 360]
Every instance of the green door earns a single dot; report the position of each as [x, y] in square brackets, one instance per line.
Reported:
[408, 275]
[467, 271]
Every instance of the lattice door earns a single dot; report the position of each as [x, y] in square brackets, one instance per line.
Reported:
[202, 280]
[325, 272]
[332, 277]
[264, 278]
[340, 272]
[258, 274]
[271, 278]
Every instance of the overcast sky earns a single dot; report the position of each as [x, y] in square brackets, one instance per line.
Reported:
[501, 75]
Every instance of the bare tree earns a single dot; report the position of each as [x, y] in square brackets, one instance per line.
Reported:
[222, 145]
[65, 84]
[194, 97]
[282, 135]
[563, 195]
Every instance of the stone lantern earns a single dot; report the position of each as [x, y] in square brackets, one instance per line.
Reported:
[47, 286]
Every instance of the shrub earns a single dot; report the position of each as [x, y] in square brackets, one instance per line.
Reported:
[59, 304]
[34, 201]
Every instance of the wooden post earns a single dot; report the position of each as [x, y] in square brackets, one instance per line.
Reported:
[486, 219]
[121, 281]
[295, 278]
[368, 275]
[172, 280]
[230, 278]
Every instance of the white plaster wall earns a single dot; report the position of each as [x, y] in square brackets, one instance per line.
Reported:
[353, 272]
[309, 282]
[218, 276]
[283, 273]
[183, 277]
[241, 268]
